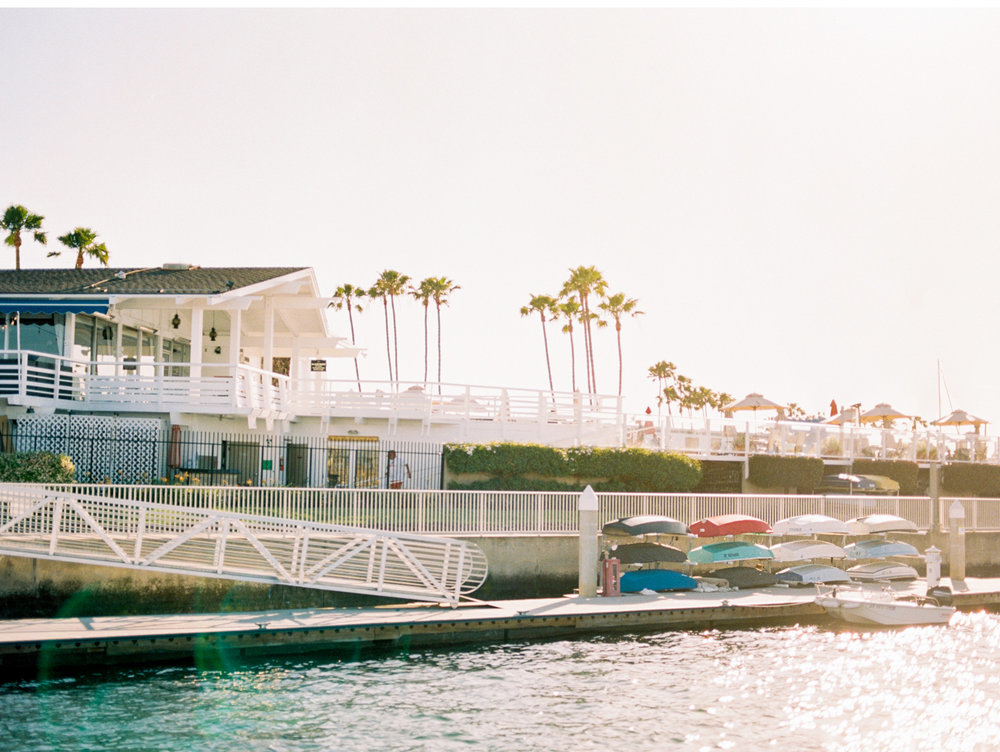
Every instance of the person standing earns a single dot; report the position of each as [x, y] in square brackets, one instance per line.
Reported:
[398, 470]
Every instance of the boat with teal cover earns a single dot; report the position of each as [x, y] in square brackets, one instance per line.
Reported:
[655, 579]
[714, 553]
[878, 548]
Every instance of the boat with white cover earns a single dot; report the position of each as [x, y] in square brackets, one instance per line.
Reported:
[804, 550]
[880, 523]
[810, 524]
[882, 570]
[881, 607]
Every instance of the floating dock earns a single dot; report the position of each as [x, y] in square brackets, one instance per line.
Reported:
[39, 646]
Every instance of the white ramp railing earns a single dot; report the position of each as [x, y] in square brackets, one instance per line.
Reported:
[100, 530]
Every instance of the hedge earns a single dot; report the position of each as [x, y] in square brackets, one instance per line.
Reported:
[36, 467]
[904, 473]
[626, 470]
[971, 480]
[800, 473]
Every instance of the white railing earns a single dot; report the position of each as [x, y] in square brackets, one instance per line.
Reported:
[980, 514]
[492, 513]
[74, 527]
[739, 438]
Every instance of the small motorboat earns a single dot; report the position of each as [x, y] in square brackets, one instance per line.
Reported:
[812, 574]
[744, 578]
[879, 548]
[880, 523]
[881, 607]
[715, 553]
[810, 524]
[804, 550]
[882, 570]
[647, 553]
[646, 524]
[655, 579]
[728, 524]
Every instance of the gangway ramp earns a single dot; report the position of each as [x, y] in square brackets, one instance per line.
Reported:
[135, 534]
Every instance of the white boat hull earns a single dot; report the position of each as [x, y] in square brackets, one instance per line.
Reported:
[890, 613]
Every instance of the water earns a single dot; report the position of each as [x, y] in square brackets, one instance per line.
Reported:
[789, 688]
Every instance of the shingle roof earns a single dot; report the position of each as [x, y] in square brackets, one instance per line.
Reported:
[189, 281]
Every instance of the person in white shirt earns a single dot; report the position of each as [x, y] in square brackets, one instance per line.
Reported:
[398, 471]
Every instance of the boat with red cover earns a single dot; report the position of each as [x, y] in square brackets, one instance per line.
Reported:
[728, 524]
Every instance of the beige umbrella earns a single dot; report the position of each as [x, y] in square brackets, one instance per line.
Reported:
[847, 415]
[880, 412]
[755, 402]
[960, 418]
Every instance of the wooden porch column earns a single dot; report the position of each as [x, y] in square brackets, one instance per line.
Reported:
[268, 364]
[197, 341]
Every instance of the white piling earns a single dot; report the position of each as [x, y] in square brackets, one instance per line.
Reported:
[932, 558]
[588, 507]
[956, 539]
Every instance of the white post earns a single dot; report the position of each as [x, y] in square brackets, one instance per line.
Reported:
[588, 507]
[932, 556]
[956, 538]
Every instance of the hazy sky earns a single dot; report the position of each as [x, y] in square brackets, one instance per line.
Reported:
[805, 203]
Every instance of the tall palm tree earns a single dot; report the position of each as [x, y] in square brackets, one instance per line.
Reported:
[617, 306]
[15, 220]
[542, 305]
[442, 287]
[83, 241]
[392, 284]
[423, 294]
[661, 371]
[583, 282]
[346, 296]
[377, 292]
[569, 309]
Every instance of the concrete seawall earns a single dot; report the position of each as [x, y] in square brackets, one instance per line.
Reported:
[520, 567]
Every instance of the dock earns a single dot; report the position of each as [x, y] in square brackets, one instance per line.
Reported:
[39, 646]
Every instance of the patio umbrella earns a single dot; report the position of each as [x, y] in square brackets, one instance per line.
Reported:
[755, 402]
[960, 418]
[880, 412]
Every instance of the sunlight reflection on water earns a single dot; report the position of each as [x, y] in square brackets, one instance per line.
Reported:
[806, 688]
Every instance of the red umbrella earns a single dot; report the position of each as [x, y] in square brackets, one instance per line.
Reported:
[833, 408]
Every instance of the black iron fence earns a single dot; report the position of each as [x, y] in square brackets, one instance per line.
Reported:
[108, 450]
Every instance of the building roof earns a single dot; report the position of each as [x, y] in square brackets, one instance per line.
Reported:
[182, 280]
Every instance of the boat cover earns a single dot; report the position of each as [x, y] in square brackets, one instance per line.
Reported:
[714, 553]
[646, 524]
[803, 550]
[646, 553]
[656, 579]
[810, 524]
[745, 577]
[879, 548]
[880, 523]
[882, 570]
[809, 574]
[728, 524]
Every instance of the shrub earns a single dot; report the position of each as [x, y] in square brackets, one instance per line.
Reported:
[801, 473]
[36, 467]
[633, 469]
[971, 480]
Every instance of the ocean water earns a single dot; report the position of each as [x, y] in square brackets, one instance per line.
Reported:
[780, 688]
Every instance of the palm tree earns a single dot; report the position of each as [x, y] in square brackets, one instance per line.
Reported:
[570, 309]
[423, 294]
[345, 297]
[442, 287]
[391, 283]
[378, 292]
[83, 240]
[583, 282]
[661, 372]
[617, 306]
[16, 219]
[542, 305]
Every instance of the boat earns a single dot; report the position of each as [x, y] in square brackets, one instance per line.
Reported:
[880, 523]
[714, 553]
[646, 524]
[804, 550]
[647, 553]
[879, 548]
[882, 570]
[728, 524]
[655, 579]
[881, 607]
[810, 524]
[744, 578]
[812, 574]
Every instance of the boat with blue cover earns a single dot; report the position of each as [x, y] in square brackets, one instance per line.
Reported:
[879, 548]
[713, 553]
[656, 579]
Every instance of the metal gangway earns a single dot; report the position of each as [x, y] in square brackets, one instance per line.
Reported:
[130, 533]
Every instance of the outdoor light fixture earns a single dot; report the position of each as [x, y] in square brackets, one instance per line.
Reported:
[175, 321]
[212, 334]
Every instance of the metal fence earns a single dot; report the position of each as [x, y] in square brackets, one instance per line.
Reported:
[521, 512]
[147, 451]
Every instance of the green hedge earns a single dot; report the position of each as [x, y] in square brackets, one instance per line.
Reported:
[36, 467]
[971, 480]
[800, 473]
[634, 469]
[904, 473]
